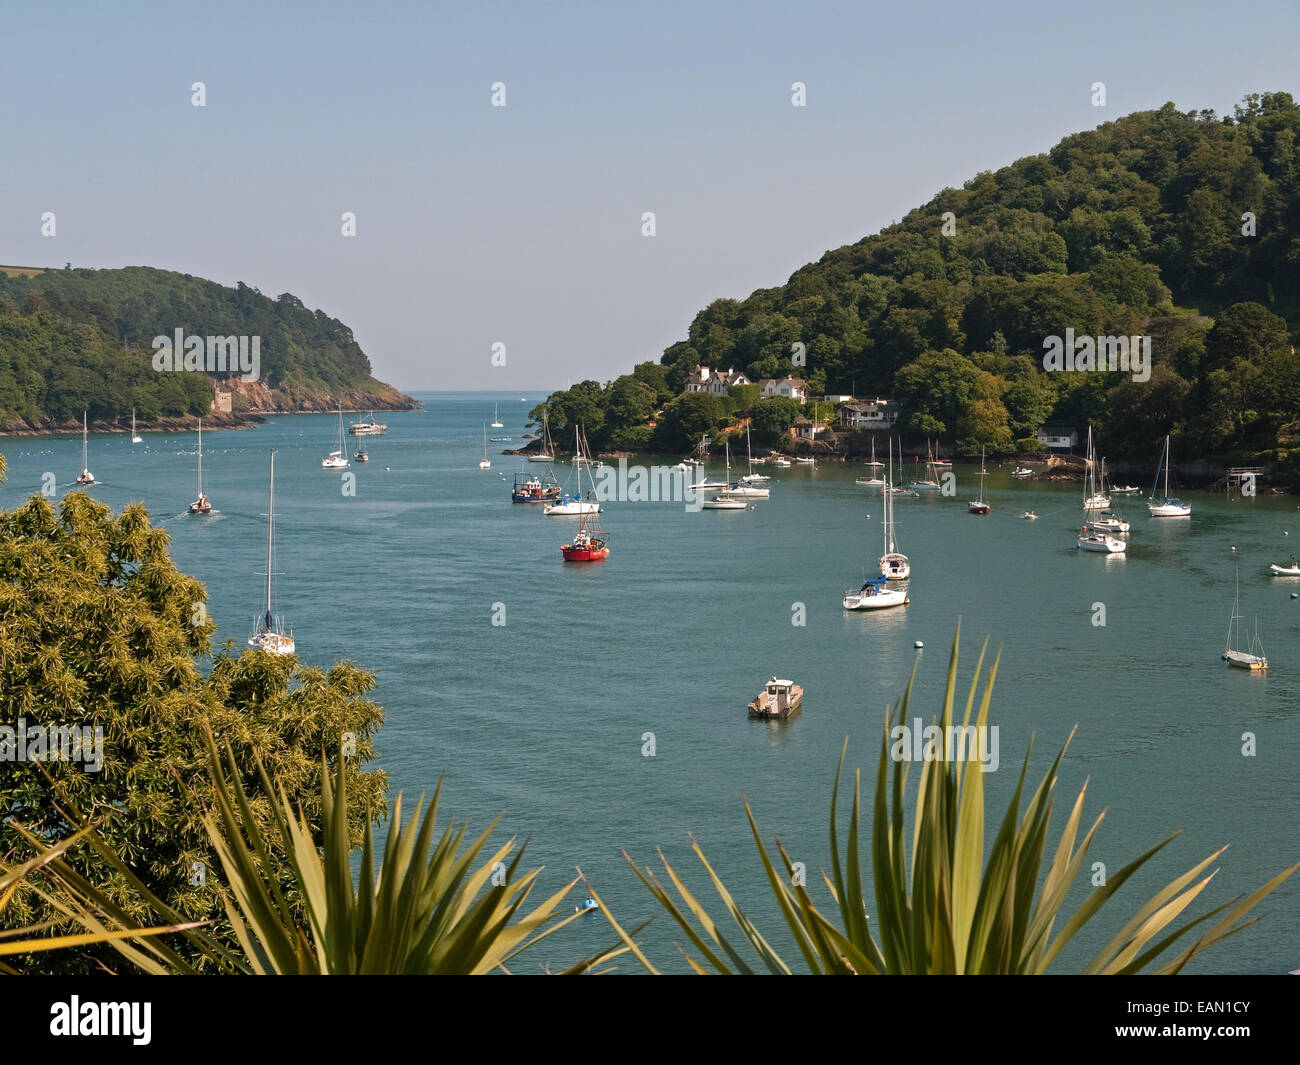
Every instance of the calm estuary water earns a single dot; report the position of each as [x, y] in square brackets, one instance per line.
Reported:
[544, 717]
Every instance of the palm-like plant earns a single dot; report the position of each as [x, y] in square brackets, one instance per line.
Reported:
[945, 909]
[449, 907]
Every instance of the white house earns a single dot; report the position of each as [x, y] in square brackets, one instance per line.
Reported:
[789, 387]
[875, 414]
[703, 379]
[1054, 436]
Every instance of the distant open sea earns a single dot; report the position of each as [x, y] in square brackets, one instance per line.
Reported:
[544, 718]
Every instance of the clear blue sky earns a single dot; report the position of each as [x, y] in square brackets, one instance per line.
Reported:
[523, 224]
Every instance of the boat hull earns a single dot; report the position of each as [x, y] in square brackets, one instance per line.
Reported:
[879, 601]
[978, 508]
[575, 509]
[1242, 660]
[590, 553]
[1105, 545]
[1285, 571]
[1168, 511]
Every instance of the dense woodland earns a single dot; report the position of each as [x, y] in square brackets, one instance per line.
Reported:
[77, 339]
[1135, 228]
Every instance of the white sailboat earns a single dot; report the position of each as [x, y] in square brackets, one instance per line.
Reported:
[1108, 521]
[496, 422]
[201, 505]
[724, 500]
[979, 505]
[486, 463]
[931, 482]
[894, 565]
[751, 477]
[1172, 507]
[748, 487]
[1252, 659]
[336, 459]
[136, 438]
[85, 477]
[875, 480]
[268, 631]
[1093, 499]
[875, 593]
[575, 504]
[546, 453]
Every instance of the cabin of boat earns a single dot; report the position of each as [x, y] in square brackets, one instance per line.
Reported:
[779, 699]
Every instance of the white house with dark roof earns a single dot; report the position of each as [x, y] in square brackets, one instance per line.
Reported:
[703, 379]
[1057, 437]
[789, 387]
[872, 414]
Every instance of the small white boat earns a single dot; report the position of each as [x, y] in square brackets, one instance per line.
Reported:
[1030, 515]
[1107, 522]
[1101, 543]
[1291, 569]
[875, 480]
[201, 505]
[725, 499]
[754, 478]
[806, 462]
[875, 594]
[748, 491]
[368, 427]
[268, 633]
[1125, 490]
[85, 477]
[1254, 658]
[1172, 507]
[781, 461]
[136, 438]
[485, 463]
[571, 505]
[336, 460]
[894, 565]
[778, 699]
[546, 453]
[980, 505]
[496, 424]
[1022, 471]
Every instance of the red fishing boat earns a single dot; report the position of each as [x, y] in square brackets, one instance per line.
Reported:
[588, 543]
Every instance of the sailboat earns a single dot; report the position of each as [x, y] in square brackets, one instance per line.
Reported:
[894, 565]
[336, 459]
[486, 463]
[86, 477]
[875, 480]
[751, 477]
[546, 453]
[978, 505]
[201, 505]
[875, 593]
[268, 632]
[136, 438]
[1108, 521]
[724, 500]
[588, 543]
[1172, 507]
[748, 487]
[575, 504]
[1093, 498]
[1243, 659]
[496, 419]
[931, 482]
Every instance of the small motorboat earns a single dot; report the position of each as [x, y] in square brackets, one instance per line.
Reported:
[781, 461]
[589, 905]
[1022, 471]
[1030, 516]
[361, 456]
[778, 699]
[1125, 490]
[1291, 569]
[806, 462]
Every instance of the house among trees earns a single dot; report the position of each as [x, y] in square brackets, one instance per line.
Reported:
[703, 379]
[875, 414]
[789, 387]
[1057, 437]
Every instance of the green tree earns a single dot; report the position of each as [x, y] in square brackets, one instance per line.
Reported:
[687, 418]
[773, 415]
[99, 629]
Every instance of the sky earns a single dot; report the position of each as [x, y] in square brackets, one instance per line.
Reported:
[523, 225]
